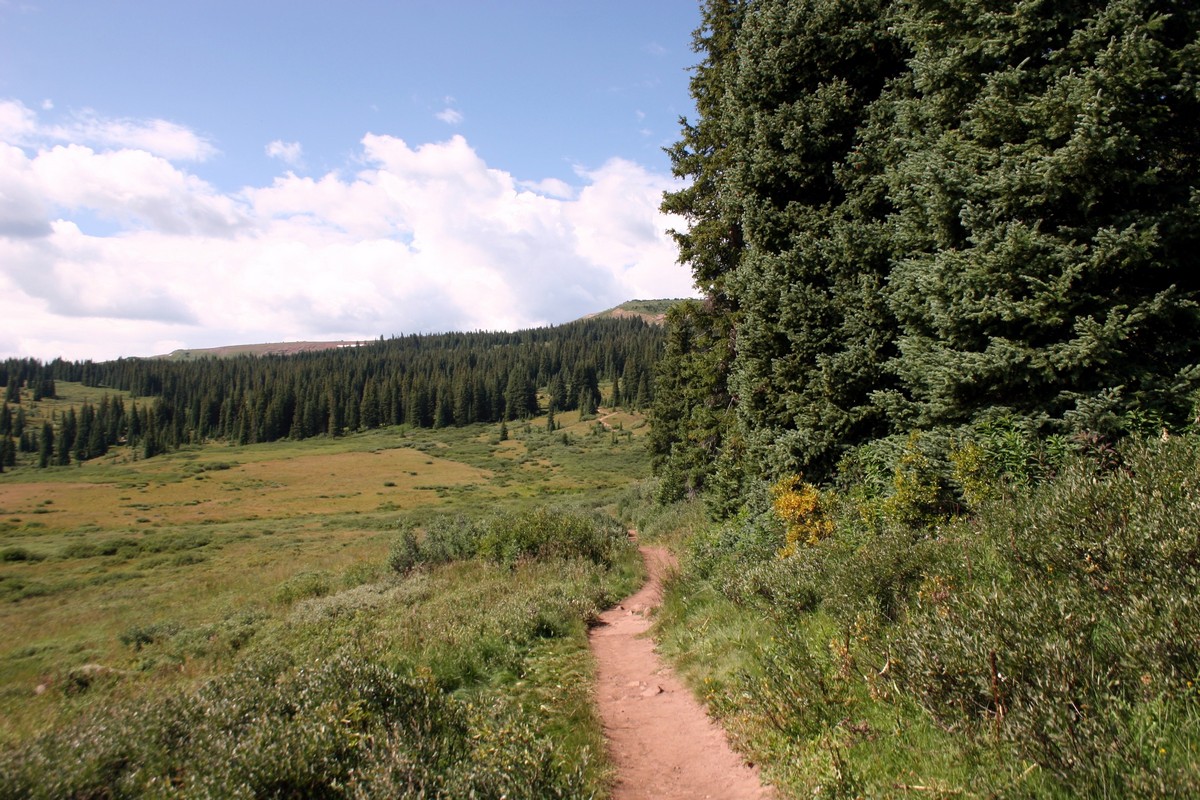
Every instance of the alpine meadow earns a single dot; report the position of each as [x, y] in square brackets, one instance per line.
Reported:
[924, 461]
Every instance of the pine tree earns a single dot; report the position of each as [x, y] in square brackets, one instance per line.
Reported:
[1047, 213]
[712, 242]
[65, 438]
[691, 410]
[46, 446]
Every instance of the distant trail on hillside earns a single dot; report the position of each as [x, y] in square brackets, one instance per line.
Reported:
[660, 739]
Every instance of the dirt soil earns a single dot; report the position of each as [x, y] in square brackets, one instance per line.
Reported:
[662, 743]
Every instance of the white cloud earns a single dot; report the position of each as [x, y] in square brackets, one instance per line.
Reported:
[157, 136]
[450, 116]
[20, 125]
[287, 152]
[17, 123]
[425, 237]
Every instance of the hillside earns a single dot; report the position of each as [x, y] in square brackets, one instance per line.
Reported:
[266, 349]
[651, 311]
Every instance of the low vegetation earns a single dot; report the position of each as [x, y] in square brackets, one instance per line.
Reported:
[399, 612]
[1041, 644]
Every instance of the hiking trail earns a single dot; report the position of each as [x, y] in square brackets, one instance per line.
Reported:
[660, 739]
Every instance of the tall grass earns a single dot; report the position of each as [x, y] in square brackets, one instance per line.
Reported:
[462, 679]
[1044, 646]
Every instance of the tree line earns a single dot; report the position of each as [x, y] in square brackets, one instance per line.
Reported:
[427, 381]
[928, 217]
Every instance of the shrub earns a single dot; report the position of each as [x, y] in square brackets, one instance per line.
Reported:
[405, 553]
[138, 636]
[798, 504]
[545, 533]
[16, 553]
[1075, 638]
[303, 585]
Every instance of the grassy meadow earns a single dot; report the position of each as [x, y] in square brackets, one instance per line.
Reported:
[210, 576]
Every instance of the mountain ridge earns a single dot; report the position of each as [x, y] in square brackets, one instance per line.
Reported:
[652, 311]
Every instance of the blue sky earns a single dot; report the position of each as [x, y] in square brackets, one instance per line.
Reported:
[191, 174]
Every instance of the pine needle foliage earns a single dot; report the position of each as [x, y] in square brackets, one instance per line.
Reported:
[921, 216]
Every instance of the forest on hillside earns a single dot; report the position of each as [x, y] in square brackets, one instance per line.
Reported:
[425, 381]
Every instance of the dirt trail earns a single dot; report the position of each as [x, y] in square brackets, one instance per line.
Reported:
[660, 739]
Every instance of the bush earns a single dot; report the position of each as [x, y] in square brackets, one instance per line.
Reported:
[138, 636]
[1075, 637]
[546, 533]
[303, 585]
[16, 553]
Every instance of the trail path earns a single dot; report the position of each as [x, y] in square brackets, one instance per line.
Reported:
[660, 739]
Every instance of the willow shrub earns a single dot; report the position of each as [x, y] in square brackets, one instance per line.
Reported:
[1052, 636]
[345, 728]
[541, 533]
[1067, 625]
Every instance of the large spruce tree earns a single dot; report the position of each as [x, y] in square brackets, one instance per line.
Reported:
[1047, 224]
[913, 215]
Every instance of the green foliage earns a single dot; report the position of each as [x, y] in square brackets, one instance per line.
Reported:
[932, 217]
[346, 728]
[541, 533]
[1082, 590]
[15, 553]
[1040, 648]
[545, 533]
[303, 585]
[691, 408]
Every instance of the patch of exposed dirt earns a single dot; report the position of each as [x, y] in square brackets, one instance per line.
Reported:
[662, 743]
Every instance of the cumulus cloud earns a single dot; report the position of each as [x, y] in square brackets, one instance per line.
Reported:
[20, 125]
[156, 136]
[17, 123]
[450, 116]
[288, 152]
[412, 238]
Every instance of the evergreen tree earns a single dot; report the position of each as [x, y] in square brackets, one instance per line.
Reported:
[65, 438]
[712, 242]
[368, 415]
[1047, 213]
[46, 446]
[691, 411]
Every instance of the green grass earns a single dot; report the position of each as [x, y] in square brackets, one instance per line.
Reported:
[125, 580]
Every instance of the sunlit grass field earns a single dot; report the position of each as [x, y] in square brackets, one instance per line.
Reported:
[125, 578]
